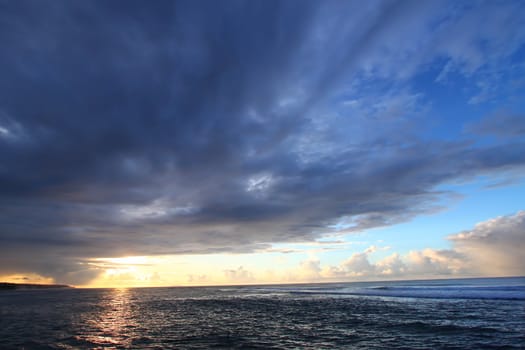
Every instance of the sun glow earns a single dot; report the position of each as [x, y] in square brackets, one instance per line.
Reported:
[126, 271]
[181, 270]
[27, 278]
[128, 260]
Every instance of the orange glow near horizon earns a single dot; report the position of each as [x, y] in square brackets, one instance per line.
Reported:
[27, 278]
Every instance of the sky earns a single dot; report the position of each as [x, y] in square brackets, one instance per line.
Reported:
[159, 143]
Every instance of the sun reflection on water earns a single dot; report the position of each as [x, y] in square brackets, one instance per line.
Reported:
[116, 322]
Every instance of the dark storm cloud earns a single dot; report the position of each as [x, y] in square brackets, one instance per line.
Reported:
[180, 127]
[91, 84]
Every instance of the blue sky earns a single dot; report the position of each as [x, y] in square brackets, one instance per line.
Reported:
[261, 142]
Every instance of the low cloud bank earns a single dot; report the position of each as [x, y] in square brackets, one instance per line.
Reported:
[495, 247]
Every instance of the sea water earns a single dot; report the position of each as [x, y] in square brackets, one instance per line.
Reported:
[439, 314]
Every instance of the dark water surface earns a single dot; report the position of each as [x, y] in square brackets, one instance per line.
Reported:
[446, 314]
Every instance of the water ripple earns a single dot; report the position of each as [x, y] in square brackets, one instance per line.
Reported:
[197, 318]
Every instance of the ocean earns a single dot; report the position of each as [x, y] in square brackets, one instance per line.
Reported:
[486, 313]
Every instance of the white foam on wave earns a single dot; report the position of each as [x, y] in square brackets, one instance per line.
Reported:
[450, 289]
[509, 293]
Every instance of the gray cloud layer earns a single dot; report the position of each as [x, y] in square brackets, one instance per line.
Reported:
[200, 127]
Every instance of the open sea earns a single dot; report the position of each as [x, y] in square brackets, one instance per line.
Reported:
[440, 314]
